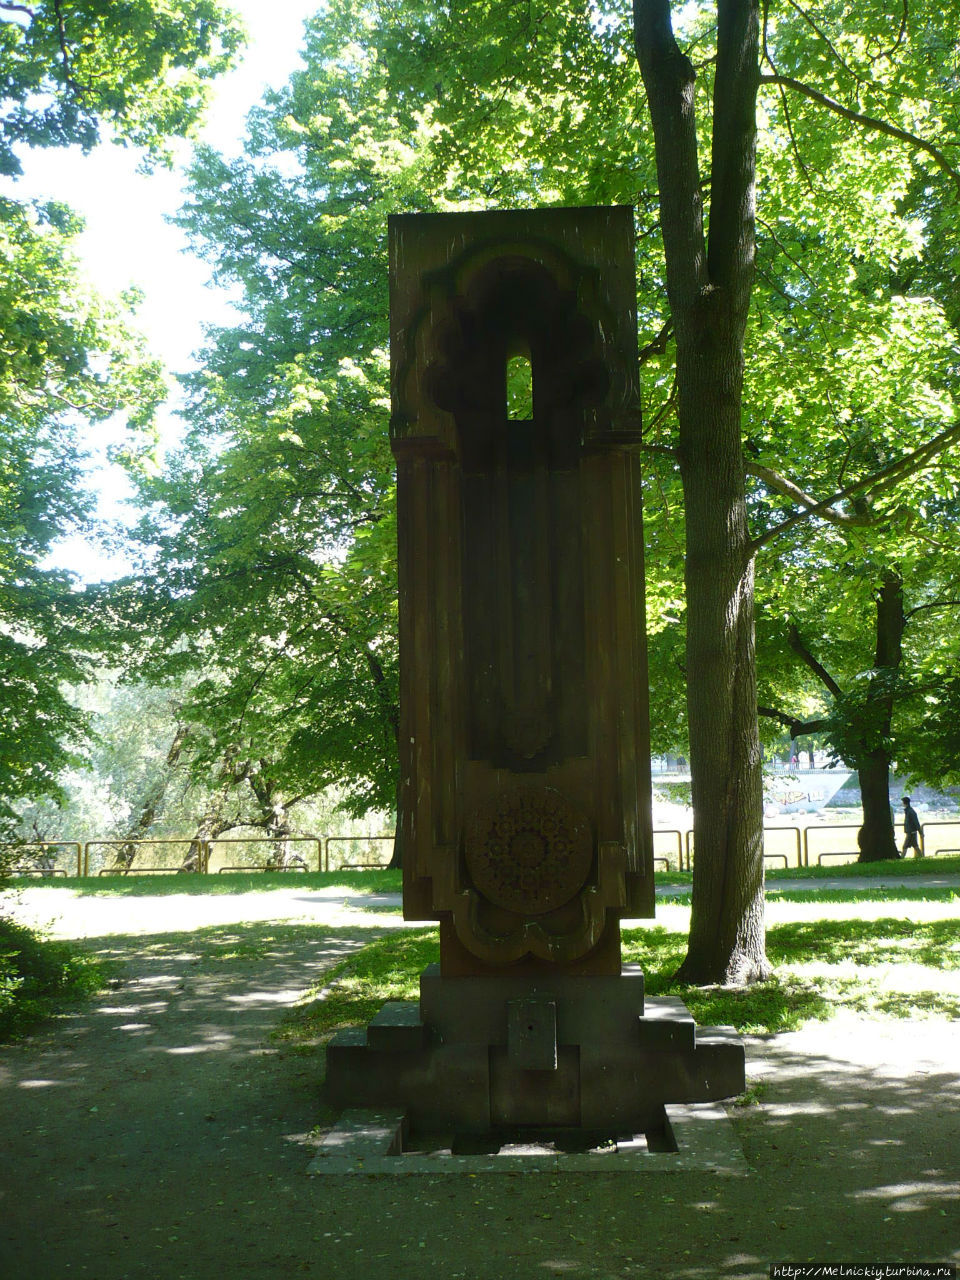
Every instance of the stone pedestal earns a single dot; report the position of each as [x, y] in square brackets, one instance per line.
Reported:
[504, 1054]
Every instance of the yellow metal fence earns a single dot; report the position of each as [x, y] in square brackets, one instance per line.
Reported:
[673, 849]
[170, 856]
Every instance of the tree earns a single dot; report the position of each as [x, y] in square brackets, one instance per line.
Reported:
[709, 280]
[878, 410]
[148, 773]
[411, 106]
[830, 144]
[70, 68]
[275, 576]
[68, 359]
[878, 638]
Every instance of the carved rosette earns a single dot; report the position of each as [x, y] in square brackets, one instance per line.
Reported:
[533, 885]
[529, 851]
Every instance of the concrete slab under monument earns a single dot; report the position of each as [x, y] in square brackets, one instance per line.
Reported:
[525, 799]
[688, 1138]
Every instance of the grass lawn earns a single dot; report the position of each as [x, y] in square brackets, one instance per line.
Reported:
[872, 959]
[381, 880]
[232, 882]
[887, 965]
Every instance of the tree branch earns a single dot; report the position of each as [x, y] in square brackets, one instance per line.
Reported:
[661, 450]
[796, 727]
[68, 78]
[868, 122]
[882, 479]
[795, 642]
[731, 244]
[769, 231]
[658, 345]
[786, 487]
[934, 604]
[669, 80]
[822, 35]
[669, 406]
[888, 53]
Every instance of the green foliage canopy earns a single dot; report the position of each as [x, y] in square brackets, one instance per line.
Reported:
[68, 68]
[69, 360]
[274, 527]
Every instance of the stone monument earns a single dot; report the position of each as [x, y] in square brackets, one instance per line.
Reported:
[525, 813]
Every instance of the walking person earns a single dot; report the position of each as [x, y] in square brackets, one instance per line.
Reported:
[911, 829]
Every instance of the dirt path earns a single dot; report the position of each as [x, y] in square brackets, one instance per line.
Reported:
[161, 1134]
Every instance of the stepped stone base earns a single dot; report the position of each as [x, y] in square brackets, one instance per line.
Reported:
[481, 1054]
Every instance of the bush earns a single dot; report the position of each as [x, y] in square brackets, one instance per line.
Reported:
[37, 976]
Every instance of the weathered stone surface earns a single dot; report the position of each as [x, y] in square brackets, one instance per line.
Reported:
[397, 1028]
[609, 1071]
[525, 814]
[532, 1034]
[525, 793]
[688, 1137]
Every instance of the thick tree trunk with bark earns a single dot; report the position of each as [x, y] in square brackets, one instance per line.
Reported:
[726, 928]
[866, 740]
[276, 820]
[709, 283]
[876, 838]
[396, 855]
[391, 711]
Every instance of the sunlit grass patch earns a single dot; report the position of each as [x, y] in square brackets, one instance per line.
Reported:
[134, 885]
[879, 893]
[800, 990]
[934, 943]
[782, 1003]
[902, 868]
[813, 979]
[352, 992]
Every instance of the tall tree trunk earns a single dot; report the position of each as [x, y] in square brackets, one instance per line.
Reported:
[726, 925]
[232, 772]
[396, 856]
[875, 838]
[867, 738]
[391, 712]
[709, 284]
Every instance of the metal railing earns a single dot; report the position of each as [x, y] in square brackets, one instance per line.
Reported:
[278, 863]
[42, 864]
[930, 847]
[94, 858]
[126, 852]
[673, 850]
[853, 852]
[659, 857]
[779, 853]
[364, 865]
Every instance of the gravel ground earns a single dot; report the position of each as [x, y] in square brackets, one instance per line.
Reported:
[160, 1133]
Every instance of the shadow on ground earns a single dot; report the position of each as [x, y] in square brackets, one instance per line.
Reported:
[162, 1133]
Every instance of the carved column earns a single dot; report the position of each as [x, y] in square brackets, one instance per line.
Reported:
[525, 796]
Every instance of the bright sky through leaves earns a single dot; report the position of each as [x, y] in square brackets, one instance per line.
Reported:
[129, 242]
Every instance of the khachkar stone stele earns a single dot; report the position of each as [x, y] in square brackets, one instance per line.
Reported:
[524, 745]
